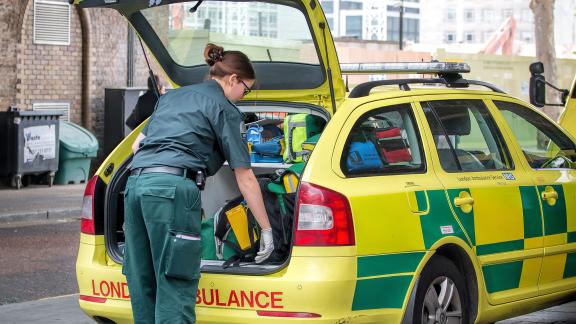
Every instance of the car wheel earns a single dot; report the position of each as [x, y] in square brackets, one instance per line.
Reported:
[441, 296]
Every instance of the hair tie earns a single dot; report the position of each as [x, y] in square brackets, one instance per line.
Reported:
[213, 54]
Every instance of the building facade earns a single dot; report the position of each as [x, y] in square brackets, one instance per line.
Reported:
[376, 20]
[474, 22]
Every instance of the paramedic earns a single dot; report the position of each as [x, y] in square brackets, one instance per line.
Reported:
[193, 130]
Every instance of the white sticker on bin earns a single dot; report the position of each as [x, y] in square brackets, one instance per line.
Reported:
[188, 237]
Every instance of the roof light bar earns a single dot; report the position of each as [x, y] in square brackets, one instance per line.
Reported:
[410, 67]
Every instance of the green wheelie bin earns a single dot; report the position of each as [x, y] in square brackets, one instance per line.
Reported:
[77, 148]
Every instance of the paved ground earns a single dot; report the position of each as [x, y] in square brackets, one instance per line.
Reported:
[37, 260]
[55, 310]
[38, 202]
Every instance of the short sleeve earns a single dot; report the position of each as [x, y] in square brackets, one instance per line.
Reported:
[230, 138]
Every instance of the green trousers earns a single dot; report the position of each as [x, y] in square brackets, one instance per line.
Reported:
[162, 215]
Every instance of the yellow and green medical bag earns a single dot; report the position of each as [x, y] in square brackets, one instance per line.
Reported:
[297, 129]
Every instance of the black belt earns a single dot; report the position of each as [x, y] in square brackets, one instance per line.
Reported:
[197, 176]
[190, 174]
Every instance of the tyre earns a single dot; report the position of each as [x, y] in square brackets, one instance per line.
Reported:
[441, 296]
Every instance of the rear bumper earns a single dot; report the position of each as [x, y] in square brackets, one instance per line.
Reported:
[318, 285]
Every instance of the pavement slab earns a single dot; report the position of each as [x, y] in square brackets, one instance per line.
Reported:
[38, 202]
[55, 310]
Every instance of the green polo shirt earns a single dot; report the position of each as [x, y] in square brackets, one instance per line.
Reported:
[194, 127]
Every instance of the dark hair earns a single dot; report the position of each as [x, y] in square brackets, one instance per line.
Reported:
[151, 85]
[223, 63]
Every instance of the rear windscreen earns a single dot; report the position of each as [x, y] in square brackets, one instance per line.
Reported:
[266, 32]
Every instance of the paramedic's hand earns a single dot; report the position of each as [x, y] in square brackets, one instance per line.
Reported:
[266, 246]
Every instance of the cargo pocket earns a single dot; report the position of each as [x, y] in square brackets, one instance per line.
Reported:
[183, 256]
[158, 203]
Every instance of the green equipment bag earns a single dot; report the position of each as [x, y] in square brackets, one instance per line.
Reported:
[213, 248]
[208, 239]
[297, 129]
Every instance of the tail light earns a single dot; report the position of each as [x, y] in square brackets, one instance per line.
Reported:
[323, 217]
[87, 217]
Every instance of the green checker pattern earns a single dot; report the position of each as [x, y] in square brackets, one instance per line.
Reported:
[374, 292]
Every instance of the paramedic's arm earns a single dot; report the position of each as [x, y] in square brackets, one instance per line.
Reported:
[136, 144]
[250, 189]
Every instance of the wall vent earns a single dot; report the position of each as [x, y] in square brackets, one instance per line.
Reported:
[51, 22]
[62, 107]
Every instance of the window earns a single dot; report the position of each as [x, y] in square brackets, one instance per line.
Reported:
[466, 136]
[330, 22]
[350, 5]
[412, 10]
[450, 15]
[470, 37]
[507, 13]
[541, 141]
[527, 37]
[487, 15]
[354, 26]
[275, 24]
[327, 6]
[51, 22]
[411, 29]
[384, 141]
[450, 37]
[469, 15]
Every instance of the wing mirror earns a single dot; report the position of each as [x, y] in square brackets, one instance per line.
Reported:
[538, 85]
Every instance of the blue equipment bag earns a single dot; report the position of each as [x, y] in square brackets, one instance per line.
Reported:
[363, 156]
[270, 151]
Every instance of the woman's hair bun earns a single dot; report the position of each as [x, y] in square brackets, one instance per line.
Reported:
[213, 54]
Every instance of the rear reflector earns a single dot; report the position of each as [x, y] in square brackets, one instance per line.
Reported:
[93, 299]
[323, 217]
[287, 314]
[87, 216]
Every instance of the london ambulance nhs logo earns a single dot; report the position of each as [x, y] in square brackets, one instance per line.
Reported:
[508, 176]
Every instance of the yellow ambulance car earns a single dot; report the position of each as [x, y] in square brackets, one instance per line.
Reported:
[450, 202]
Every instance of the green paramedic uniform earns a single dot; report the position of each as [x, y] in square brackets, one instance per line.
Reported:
[193, 128]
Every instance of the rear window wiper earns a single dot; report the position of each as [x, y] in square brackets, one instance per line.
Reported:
[193, 9]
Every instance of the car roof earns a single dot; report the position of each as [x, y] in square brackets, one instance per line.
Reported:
[416, 93]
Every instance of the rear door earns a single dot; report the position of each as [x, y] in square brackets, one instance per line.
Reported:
[382, 169]
[284, 39]
[489, 194]
[547, 155]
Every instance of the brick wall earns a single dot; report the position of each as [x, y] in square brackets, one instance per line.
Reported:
[11, 15]
[50, 73]
[95, 59]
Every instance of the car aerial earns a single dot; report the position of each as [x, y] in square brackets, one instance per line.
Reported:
[424, 200]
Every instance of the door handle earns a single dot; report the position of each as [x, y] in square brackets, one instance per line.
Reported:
[550, 195]
[464, 201]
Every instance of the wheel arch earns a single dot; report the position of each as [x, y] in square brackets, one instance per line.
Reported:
[459, 252]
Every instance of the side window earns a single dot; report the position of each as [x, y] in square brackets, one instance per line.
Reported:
[466, 136]
[384, 141]
[543, 144]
